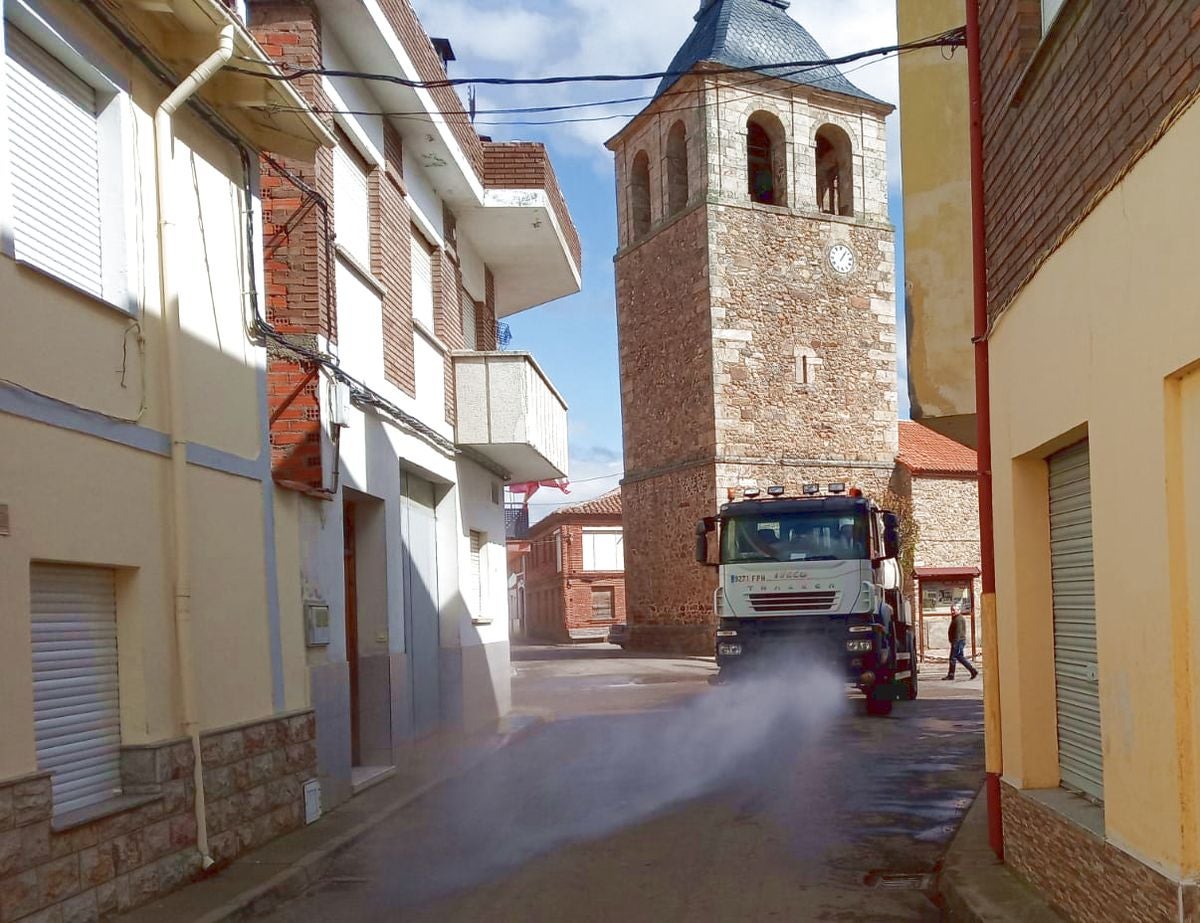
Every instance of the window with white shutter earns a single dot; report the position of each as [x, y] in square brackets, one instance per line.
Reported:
[476, 589]
[54, 141]
[422, 280]
[603, 549]
[76, 706]
[352, 203]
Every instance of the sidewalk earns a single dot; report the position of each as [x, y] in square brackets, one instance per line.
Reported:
[284, 867]
[977, 888]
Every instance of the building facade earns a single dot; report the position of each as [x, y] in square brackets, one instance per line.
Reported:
[154, 711]
[937, 477]
[1094, 342]
[574, 572]
[396, 421]
[755, 298]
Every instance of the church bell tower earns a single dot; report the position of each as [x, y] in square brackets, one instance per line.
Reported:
[755, 297]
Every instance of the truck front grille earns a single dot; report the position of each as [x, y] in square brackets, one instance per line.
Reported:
[813, 601]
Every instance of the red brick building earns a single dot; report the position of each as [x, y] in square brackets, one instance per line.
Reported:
[575, 572]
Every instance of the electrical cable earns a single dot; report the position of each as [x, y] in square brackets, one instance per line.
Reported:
[954, 37]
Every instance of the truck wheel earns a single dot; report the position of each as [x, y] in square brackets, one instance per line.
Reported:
[879, 707]
[910, 684]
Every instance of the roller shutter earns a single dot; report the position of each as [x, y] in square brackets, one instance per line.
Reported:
[77, 719]
[54, 142]
[476, 589]
[352, 217]
[470, 338]
[1076, 666]
[422, 281]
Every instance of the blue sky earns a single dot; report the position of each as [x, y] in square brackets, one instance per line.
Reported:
[575, 339]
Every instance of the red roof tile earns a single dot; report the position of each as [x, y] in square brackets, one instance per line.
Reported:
[925, 451]
[608, 504]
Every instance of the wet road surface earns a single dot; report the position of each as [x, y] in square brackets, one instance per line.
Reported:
[657, 797]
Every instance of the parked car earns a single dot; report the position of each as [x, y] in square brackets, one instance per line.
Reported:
[619, 635]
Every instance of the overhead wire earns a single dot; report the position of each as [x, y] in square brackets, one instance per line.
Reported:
[943, 39]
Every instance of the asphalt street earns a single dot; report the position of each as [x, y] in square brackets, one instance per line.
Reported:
[651, 795]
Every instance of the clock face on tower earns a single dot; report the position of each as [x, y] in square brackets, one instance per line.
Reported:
[841, 258]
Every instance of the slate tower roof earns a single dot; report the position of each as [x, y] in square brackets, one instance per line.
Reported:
[756, 33]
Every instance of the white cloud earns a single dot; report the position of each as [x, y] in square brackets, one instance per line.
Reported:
[542, 37]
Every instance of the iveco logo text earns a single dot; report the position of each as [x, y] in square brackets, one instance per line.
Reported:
[764, 578]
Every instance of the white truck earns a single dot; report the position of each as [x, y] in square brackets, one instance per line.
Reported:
[812, 578]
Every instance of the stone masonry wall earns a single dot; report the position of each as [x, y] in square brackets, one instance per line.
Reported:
[669, 597]
[78, 870]
[947, 511]
[805, 357]
[1084, 878]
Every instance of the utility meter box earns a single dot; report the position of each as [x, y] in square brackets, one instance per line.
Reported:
[316, 624]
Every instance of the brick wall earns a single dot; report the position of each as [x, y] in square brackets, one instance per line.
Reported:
[391, 261]
[526, 165]
[559, 603]
[1063, 120]
[300, 299]
[1086, 879]
[252, 779]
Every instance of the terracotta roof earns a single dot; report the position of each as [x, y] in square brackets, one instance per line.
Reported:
[925, 451]
[608, 505]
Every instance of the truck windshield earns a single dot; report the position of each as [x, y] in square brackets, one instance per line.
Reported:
[794, 537]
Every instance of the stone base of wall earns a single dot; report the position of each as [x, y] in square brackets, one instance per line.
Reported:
[112, 858]
[697, 640]
[1083, 877]
[253, 782]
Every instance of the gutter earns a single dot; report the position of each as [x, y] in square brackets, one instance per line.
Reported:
[993, 743]
[179, 511]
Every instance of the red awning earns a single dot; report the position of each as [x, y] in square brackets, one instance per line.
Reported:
[924, 573]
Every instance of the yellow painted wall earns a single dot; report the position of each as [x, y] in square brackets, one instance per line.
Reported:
[935, 146]
[75, 498]
[1098, 345]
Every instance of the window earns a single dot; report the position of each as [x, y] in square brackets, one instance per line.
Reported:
[1050, 10]
[766, 159]
[796, 537]
[76, 706]
[68, 167]
[835, 172]
[352, 212]
[422, 280]
[639, 194]
[469, 312]
[476, 587]
[603, 549]
[677, 169]
[558, 551]
[602, 604]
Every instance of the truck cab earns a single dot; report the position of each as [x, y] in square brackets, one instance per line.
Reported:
[811, 579]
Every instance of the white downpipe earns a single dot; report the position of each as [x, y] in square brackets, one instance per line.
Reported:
[181, 525]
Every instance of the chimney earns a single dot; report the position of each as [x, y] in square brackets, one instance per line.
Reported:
[444, 51]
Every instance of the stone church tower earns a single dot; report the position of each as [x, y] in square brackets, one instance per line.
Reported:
[755, 297]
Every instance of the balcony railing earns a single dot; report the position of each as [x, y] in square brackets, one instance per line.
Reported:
[509, 412]
[516, 521]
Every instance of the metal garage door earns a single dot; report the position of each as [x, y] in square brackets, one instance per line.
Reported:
[77, 716]
[422, 617]
[1076, 666]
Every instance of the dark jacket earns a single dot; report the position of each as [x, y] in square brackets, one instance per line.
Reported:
[958, 627]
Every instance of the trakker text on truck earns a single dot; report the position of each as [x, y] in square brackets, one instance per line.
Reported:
[812, 579]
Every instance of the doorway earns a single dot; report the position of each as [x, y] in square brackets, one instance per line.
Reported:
[422, 614]
[350, 569]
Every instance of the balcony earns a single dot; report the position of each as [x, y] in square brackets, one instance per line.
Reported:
[516, 521]
[510, 413]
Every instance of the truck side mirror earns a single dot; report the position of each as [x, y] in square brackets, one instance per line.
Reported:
[891, 535]
[703, 527]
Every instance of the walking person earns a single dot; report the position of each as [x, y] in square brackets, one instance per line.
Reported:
[958, 643]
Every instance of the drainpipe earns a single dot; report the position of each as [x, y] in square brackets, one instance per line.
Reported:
[994, 755]
[181, 526]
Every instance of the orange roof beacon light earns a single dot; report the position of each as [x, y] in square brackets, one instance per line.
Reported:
[856, 492]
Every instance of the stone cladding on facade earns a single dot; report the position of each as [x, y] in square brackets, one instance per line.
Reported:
[78, 870]
[1085, 878]
[745, 358]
